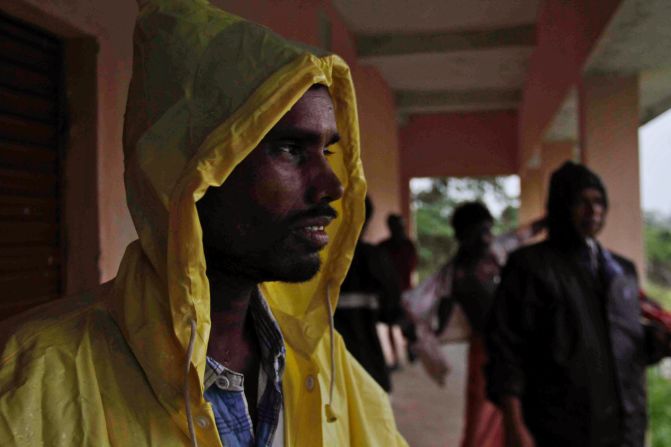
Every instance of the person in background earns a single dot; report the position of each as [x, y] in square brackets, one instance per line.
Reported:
[403, 255]
[369, 293]
[475, 275]
[567, 346]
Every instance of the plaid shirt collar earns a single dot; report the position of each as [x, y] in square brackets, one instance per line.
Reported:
[273, 353]
[224, 388]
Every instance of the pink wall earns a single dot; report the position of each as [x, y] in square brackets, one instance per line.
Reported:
[457, 144]
[111, 24]
[379, 147]
[292, 19]
[566, 33]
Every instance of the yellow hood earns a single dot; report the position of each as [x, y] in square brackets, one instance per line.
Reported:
[206, 87]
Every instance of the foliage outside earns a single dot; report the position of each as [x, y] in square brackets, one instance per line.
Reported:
[659, 399]
[657, 237]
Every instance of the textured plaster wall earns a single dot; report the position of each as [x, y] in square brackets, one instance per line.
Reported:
[111, 24]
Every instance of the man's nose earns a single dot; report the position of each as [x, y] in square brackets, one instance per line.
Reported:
[324, 184]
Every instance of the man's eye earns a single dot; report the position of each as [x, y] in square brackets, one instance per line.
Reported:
[290, 150]
[328, 151]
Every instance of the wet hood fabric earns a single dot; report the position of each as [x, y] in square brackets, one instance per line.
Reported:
[206, 87]
[566, 184]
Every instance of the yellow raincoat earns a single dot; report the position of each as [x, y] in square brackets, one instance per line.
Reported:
[123, 366]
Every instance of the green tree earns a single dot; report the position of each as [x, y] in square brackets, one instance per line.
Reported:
[657, 235]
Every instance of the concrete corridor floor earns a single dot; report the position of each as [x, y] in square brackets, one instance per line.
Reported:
[426, 414]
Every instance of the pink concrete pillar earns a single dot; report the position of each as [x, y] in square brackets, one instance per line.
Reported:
[406, 211]
[535, 181]
[532, 200]
[553, 155]
[609, 145]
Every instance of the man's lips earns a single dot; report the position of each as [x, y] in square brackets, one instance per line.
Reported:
[313, 231]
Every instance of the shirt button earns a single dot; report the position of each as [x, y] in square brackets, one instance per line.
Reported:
[202, 421]
[310, 383]
[223, 382]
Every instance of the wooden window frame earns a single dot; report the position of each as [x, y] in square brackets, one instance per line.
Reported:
[79, 217]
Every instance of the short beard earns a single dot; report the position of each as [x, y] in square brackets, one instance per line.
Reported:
[266, 268]
[293, 272]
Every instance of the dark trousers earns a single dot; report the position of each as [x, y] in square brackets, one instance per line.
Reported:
[357, 327]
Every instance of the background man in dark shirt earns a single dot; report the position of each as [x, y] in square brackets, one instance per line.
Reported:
[567, 348]
[369, 294]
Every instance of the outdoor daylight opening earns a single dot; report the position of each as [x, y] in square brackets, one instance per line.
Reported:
[433, 199]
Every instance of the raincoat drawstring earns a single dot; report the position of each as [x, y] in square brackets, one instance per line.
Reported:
[187, 400]
[330, 414]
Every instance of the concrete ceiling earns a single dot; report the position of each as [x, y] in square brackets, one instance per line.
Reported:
[636, 41]
[420, 16]
[449, 55]
[565, 124]
[460, 55]
[655, 93]
[493, 68]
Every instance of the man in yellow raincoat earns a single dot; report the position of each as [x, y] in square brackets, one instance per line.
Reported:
[245, 185]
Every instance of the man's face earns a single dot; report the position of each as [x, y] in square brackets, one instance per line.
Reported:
[267, 221]
[588, 214]
[478, 237]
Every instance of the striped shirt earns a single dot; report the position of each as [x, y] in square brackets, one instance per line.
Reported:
[224, 388]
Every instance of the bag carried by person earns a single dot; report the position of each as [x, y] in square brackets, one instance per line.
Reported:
[421, 304]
